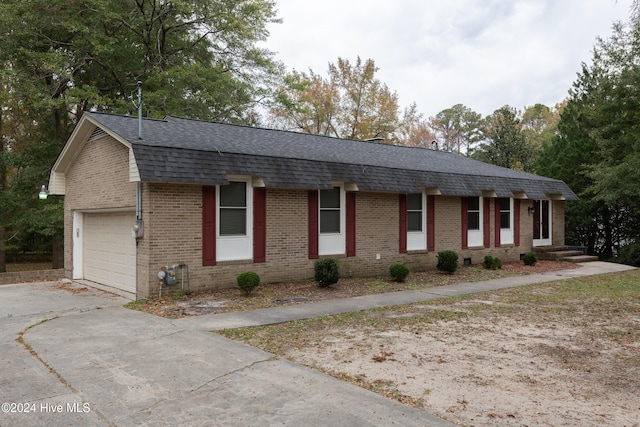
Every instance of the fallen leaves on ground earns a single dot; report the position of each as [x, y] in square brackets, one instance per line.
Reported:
[291, 293]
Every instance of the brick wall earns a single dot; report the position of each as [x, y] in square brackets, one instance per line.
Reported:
[173, 227]
[172, 214]
[31, 276]
[557, 224]
[173, 234]
[99, 179]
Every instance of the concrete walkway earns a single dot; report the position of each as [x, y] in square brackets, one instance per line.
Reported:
[213, 322]
[93, 362]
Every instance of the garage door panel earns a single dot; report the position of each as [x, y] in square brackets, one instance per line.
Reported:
[109, 250]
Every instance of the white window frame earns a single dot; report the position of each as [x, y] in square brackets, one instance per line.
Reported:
[240, 247]
[417, 240]
[333, 243]
[506, 234]
[475, 238]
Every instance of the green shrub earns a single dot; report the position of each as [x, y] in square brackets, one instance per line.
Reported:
[530, 258]
[248, 281]
[399, 272]
[492, 263]
[327, 272]
[629, 255]
[447, 261]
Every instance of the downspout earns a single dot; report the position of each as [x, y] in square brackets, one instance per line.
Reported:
[139, 201]
[139, 224]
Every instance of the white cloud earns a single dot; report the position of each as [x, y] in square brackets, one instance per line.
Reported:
[480, 54]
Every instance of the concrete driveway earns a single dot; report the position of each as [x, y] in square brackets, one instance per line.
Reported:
[72, 357]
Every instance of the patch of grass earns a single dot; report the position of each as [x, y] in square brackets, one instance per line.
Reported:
[145, 304]
[477, 274]
[298, 334]
[384, 388]
[379, 284]
[633, 361]
[139, 304]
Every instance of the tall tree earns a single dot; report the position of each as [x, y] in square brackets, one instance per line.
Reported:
[4, 208]
[197, 58]
[414, 130]
[598, 140]
[505, 143]
[540, 124]
[370, 108]
[349, 103]
[307, 103]
[458, 129]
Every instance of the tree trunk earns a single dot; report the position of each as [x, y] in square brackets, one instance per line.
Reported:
[3, 185]
[607, 250]
[3, 251]
[58, 251]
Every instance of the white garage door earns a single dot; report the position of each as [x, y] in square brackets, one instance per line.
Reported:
[109, 250]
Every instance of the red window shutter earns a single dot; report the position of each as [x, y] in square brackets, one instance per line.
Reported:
[351, 224]
[313, 224]
[431, 223]
[497, 222]
[464, 203]
[208, 226]
[403, 223]
[487, 222]
[516, 222]
[259, 225]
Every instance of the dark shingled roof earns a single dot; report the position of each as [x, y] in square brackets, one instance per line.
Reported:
[179, 150]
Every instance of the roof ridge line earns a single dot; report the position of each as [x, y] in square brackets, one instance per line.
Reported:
[221, 153]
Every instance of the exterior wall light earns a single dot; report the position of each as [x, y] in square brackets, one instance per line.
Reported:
[44, 193]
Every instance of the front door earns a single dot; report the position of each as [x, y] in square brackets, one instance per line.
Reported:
[541, 223]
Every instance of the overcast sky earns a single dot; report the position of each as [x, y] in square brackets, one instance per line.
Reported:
[438, 53]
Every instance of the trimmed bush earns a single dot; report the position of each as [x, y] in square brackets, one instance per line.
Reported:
[629, 255]
[399, 272]
[530, 258]
[447, 261]
[492, 263]
[327, 272]
[248, 281]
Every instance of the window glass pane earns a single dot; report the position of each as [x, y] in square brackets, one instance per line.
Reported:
[414, 221]
[505, 204]
[505, 220]
[330, 221]
[414, 201]
[474, 220]
[233, 195]
[233, 222]
[473, 203]
[330, 198]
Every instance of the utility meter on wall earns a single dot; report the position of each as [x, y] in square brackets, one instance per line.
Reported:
[168, 275]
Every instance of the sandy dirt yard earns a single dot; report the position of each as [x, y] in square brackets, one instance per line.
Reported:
[486, 363]
[558, 354]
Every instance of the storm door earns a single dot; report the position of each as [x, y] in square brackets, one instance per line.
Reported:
[541, 223]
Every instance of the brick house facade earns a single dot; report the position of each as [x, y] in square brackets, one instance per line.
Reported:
[220, 227]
